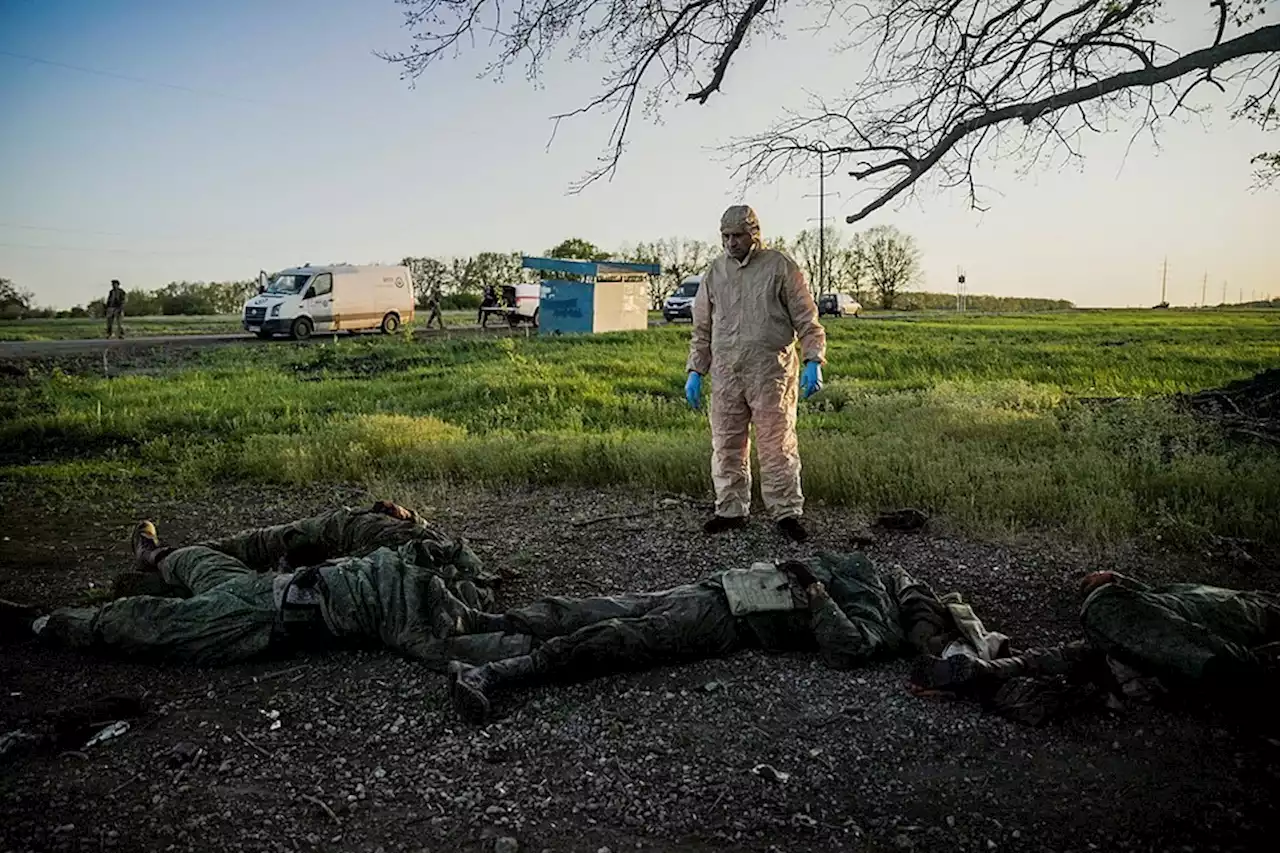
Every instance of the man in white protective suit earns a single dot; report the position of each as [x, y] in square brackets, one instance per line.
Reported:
[752, 306]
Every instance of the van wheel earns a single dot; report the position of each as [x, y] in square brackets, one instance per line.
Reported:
[301, 329]
[390, 323]
[537, 312]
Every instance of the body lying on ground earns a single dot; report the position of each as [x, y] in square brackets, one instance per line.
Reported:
[1140, 641]
[840, 605]
[376, 576]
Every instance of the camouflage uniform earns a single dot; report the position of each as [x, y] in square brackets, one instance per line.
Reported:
[433, 303]
[1190, 639]
[863, 615]
[380, 580]
[114, 306]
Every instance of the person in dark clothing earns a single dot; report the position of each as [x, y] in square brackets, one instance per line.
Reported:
[433, 304]
[115, 308]
[488, 300]
[840, 605]
[1140, 641]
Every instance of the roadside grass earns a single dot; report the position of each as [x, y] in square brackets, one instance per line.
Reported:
[77, 328]
[991, 422]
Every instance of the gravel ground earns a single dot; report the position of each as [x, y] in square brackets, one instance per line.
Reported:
[368, 757]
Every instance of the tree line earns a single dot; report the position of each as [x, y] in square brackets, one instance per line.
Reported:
[191, 298]
[879, 266]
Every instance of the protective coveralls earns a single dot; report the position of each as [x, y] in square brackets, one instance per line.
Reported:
[859, 614]
[379, 580]
[1182, 638]
[746, 318]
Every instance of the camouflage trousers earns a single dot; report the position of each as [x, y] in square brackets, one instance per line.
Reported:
[1134, 640]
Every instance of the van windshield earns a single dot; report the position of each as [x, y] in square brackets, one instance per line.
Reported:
[689, 288]
[288, 283]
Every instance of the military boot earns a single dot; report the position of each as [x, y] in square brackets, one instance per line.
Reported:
[955, 674]
[472, 688]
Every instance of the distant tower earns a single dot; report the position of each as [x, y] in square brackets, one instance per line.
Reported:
[962, 291]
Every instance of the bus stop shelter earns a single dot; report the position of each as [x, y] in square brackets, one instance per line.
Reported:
[592, 296]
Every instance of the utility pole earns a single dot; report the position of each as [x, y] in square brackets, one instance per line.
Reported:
[822, 227]
[962, 291]
[1224, 291]
[1164, 281]
[1203, 285]
[823, 267]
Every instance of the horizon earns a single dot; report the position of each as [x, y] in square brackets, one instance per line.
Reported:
[167, 144]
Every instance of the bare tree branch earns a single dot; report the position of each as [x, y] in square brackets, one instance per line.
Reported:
[945, 84]
[1056, 69]
[735, 42]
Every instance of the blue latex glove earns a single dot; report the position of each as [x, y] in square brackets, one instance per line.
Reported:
[811, 379]
[693, 390]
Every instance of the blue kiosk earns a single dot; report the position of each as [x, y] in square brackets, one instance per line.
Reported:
[607, 296]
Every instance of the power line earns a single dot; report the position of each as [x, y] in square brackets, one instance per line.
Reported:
[223, 240]
[111, 250]
[25, 227]
[140, 80]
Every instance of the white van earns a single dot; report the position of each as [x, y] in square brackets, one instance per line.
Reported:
[340, 297]
[680, 304]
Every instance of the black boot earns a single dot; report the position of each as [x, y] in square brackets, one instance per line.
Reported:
[721, 523]
[472, 688]
[792, 529]
[956, 674]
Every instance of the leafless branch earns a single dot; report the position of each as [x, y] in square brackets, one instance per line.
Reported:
[946, 80]
[735, 42]
[942, 87]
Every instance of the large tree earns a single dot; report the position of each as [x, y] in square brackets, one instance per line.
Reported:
[428, 274]
[948, 82]
[576, 248]
[891, 262]
[679, 257]
[14, 302]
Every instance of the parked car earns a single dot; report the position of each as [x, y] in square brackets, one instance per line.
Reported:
[838, 305]
[679, 305]
[340, 297]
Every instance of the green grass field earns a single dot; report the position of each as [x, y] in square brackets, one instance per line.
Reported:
[983, 420]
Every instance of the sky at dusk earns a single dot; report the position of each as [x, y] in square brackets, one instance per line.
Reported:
[258, 135]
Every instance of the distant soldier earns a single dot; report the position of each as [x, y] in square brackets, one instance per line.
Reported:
[433, 303]
[115, 308]
[489, 300]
